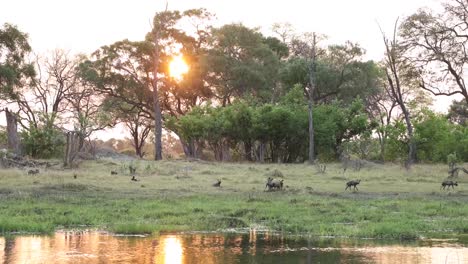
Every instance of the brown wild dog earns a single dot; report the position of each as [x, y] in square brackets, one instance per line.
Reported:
[353, 184]
[274, 184]
[448, 184]
[32, 172]
[113, 173]
[217, 183]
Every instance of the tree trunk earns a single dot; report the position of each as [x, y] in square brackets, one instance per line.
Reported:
[186, 148]
[311, 104]
[382, 142]
[157, 130]
[217, 151]
[411, 143]
[67, 151]
[138, 151]
[261, 150]
[12, 132]
[71, 149]
[157, 107]
[191, 148]
[225, 151]
[248, 150]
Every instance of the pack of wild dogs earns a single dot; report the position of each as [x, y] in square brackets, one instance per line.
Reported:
[272, 184]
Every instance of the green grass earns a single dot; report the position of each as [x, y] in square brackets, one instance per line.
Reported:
[177, 196]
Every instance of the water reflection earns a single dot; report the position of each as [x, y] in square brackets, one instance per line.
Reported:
[172, 250]
[95, 247]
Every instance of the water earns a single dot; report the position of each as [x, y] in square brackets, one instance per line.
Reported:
[98, 247]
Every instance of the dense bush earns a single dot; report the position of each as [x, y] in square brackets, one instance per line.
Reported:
[43, 142]
[273, 132]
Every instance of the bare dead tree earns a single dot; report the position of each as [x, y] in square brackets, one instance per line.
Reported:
[46, 97]
[400, 76]
[85, 108]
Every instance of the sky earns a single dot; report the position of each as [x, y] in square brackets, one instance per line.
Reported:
[85, 25]
[82, 26]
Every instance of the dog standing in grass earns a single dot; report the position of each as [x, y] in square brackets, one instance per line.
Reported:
[274, 184]
[448, 184]
[33, 172]
[352, 183]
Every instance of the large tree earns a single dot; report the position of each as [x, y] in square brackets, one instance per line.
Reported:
[15, 73]
[328, 74]
[45, 99]
[136, 72]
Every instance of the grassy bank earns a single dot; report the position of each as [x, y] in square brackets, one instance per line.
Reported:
[177, 196]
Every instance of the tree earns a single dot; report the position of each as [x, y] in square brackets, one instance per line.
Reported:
[458, 112]
[14, 69]
[14, 73]
[310, 92]
[437, 45]
[87, 111]
[336, 73]
[382, 108]
[437, 138]
[242, 62]
[136, 72]
[136, 121]
[46, 96]
[400, 77]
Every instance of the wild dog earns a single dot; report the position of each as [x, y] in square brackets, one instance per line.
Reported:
[448, 184]
[352, 183]
[217, 183]
[32, 172]
[113, 173]
[274, 184]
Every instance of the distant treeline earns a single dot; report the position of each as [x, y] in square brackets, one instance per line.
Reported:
[278, 132]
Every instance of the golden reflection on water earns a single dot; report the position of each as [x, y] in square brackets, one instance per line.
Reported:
[2, 250]
[411, 255]
[95, 247]
[172, 252]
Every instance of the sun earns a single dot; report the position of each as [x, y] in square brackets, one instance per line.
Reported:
[178, 67]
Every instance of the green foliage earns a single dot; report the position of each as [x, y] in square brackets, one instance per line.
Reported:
[339, 72]
[14, 48]
[45, 141]
[437, 138]
[280, 48]
[243, 62]
[282, 127]
[396, 144]
[452, 159]
[458, 112]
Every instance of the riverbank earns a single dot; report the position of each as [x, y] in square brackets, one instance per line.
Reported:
[177, 196]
